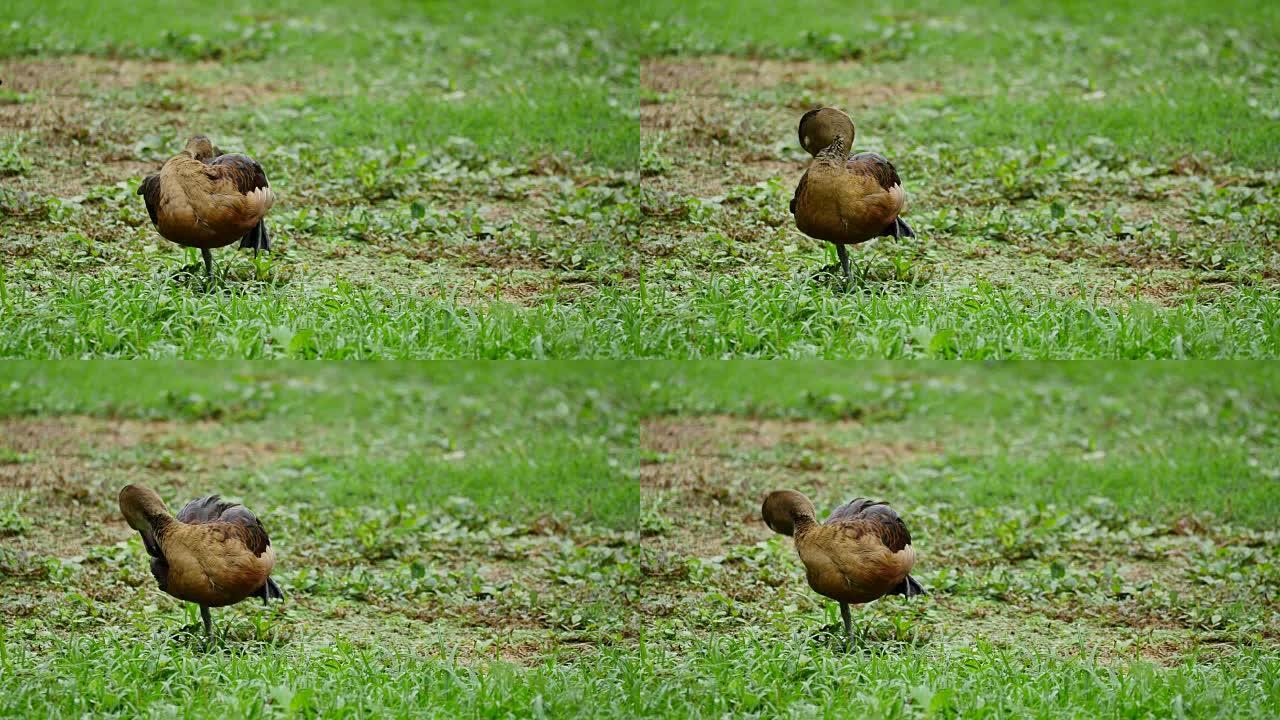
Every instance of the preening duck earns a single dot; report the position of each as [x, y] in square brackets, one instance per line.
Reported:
[201, 201]
[860, 553]
[841, 199]
[214, 553]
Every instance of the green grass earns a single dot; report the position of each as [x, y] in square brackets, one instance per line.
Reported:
[384, 433]
[486, 540]
[1179, 77]
[536, 77]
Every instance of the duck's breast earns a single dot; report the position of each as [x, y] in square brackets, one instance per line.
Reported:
[845, 207]
[195, 210]
[210, 565]
[850, 563]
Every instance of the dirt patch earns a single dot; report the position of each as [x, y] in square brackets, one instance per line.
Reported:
[65, 472]
[724, 119]
[79, 117]
[712, 471]
[724, 76]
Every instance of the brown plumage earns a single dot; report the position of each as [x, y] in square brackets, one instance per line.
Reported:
[841, 199]
[205, 202]
[860, 553]
[214, 553]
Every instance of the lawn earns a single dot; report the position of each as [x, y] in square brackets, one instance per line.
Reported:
[562, 179]
[584, 538]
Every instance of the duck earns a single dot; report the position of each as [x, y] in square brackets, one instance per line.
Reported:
[203, 199]
[860, 553]
[214, 553]
[845, 199]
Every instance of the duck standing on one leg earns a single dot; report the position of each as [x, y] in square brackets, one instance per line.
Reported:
[201, 201]
[861, 553]
[214, 553]
[841, 199]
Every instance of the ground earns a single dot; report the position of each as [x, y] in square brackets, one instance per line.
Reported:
[589, 180]
[1096, 539]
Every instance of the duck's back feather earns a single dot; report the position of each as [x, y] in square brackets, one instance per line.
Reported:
[243, 171]
[244, 524]
[887, 524]
[877, 166]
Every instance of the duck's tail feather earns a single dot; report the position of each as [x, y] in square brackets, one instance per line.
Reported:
[270, 591]
[908, 587]
[258, 238]
[898, 228]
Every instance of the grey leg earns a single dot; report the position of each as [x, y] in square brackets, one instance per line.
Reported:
[848, 624]
[897, 229]
[844, 262]
[208, 262]
[204, 612]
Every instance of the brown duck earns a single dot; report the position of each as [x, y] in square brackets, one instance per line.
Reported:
[862, 552]
[202, 201]
[841, 199]
[214, 553]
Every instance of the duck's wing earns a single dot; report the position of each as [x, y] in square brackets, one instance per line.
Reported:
[150, 192]
[245, 173]
[204, 510]
[877, 166]
[800, 188]
[241, 522]
[875, 516]
[247, 176]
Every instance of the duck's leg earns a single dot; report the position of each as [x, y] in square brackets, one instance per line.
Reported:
[204, 615]
[843, 252]
[848, 625]
[208, 262]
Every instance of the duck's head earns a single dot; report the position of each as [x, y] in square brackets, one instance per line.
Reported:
[820, 128]
[142, 508]
[782, 509]
[200, 148]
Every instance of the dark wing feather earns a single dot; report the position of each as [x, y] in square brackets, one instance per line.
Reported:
[799, 189]
[888, 525]
[243, 170]
[243, 523]
[877, 166]
[204, 510]
[269, 591]
[150, 192]
[160, 571]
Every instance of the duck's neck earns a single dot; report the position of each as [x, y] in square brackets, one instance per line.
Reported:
[837, 151]
[161, 522]
[802, 524]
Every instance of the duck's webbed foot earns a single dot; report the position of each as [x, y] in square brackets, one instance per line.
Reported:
[826, 271]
